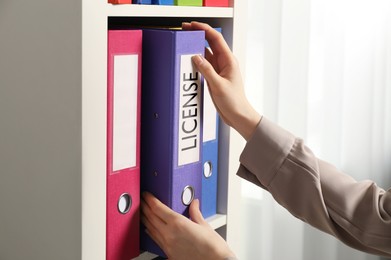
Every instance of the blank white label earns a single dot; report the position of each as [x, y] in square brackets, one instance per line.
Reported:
[125, 111]
[210, 116]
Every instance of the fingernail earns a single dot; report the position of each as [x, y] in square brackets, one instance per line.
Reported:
[197, 59]
[197, 202]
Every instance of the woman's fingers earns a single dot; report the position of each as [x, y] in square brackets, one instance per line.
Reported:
[215, 39]
[156, 207]
[195, 213]
[151, 230]
[212, 59]
[207, 70]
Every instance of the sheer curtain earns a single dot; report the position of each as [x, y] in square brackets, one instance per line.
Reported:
[322, 70]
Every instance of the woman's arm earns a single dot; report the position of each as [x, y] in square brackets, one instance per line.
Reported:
[357, 213]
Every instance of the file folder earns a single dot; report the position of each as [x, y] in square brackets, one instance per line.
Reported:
[120, 1]
[210, 153]
[163, 2]
[142, 2]
[188, 2]
[216, 3]
[171, 150]
[123, 144]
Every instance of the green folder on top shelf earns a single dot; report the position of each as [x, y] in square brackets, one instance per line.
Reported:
[188, 2]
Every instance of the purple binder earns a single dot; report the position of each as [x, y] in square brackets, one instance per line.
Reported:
[171, 135]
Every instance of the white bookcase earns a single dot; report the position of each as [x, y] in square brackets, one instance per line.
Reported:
[53, 83]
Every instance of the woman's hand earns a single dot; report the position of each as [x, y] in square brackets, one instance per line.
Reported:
[221, 71]
[179, 237]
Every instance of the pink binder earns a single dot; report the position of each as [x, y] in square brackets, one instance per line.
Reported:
[216, 3]
[123, 144]
[120, 1]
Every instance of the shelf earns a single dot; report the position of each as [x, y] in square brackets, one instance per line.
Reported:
[77, 131]
[145, 256]
[217, 221]
[168, 11]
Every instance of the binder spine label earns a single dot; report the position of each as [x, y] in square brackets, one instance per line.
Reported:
[189, 112]
[125, 111]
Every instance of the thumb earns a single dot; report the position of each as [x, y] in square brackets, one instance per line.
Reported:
[206, 69]
[195, 213]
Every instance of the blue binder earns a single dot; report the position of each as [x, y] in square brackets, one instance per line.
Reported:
[210, 154]
[210, 166]
[163, 2]
[142, 2]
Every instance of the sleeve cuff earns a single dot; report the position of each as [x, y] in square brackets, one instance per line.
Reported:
[264, 153]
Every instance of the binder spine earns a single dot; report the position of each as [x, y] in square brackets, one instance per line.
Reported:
[120, 1]
[210, 153]
[172, 120]
[123, 144]
[142, 2]
[210, 171]
[188, 151]
[188, 2]
[163, 2]
[216, 3]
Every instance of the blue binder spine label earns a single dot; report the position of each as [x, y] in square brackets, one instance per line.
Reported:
[189, 112]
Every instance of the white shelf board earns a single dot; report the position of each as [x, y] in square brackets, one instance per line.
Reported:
[217, 221]
[168, 11]
[145, 256]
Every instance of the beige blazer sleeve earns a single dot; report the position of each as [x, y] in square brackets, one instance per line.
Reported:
[357, 213]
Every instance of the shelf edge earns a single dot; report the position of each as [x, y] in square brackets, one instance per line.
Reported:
[168, 11]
